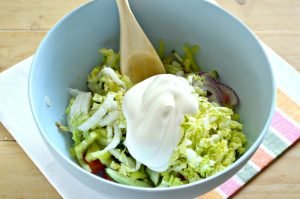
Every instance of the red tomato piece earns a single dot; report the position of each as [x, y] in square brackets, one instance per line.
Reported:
[96, 166]
[105, 176]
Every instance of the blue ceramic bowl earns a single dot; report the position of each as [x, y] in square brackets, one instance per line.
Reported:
[70, 51]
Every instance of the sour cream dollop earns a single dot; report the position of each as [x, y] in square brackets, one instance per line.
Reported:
[154, 110]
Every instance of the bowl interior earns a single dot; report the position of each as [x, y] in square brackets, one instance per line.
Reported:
[70, 51]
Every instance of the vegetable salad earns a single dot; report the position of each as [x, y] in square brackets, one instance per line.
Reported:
[211, 139]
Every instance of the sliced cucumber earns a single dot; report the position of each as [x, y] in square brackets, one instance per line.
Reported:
[214, 74]
[124, 179]
[123, 158]
[154, 176]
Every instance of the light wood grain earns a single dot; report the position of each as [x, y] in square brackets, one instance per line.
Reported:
[17, 45]
[23, 25]
[33, 14]
[19, 177]
[266, 15]
[286, 44]
[5, 135]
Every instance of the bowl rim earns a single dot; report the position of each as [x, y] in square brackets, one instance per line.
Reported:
[246, 156]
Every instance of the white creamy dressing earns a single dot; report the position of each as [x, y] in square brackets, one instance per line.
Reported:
[154, 110]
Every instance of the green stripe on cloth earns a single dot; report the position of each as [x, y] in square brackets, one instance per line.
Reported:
[246, 173]
[274, 144]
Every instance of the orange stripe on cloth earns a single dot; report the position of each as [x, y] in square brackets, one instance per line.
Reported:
[287, 105]
[261, 158]
[211, 195]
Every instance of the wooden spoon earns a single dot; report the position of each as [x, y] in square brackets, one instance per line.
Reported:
[139, 59]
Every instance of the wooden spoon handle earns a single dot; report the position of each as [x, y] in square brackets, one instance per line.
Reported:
[139, 59]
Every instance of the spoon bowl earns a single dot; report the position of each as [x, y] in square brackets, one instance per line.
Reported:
[139, 59]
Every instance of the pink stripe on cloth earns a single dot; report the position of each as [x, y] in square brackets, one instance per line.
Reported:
[286, 128]
[230, 186]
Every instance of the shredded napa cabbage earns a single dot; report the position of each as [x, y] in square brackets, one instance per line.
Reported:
[212, 139]
[211, 142]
